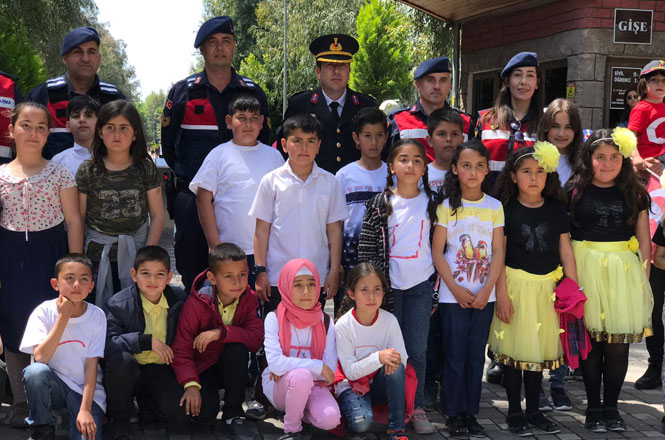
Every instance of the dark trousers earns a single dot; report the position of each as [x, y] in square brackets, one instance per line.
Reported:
[655, 342]
[276, 298]
[155, 387]
[190, 245]
[434, 364]
[465, 333]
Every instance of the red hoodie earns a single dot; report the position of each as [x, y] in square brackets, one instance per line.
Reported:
[201, 313]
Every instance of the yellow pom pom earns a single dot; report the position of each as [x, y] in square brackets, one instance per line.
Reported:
[557, 274]
[625, 140]
[633, 244]
[547, 155]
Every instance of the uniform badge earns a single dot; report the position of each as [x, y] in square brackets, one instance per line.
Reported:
[315, 98]
[197, 80]
[413, 108]
[355, 100]
[166, 120]
[169, 104]
[242, 82]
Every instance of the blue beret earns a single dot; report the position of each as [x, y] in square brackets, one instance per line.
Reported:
[216, 25]
[435, 65]
[77, 37]
[653, 66]
[522, 59]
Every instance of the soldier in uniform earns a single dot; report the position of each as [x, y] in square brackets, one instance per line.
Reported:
[432, 79]
[333, 103]
[193, 123]
[81, 57]
[10, 95]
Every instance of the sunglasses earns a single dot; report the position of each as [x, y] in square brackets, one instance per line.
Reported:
[515, 130]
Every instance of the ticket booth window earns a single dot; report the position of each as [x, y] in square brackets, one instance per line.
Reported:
[485, 89]
[555, 83]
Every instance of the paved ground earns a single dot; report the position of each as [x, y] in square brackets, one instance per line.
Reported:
[642, 411]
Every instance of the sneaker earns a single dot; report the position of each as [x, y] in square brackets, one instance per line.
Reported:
[43, 432]
[494, 373]
[473, 427]
[542, 423]
[517, 425]
[613, 421]
[420, 423]
[397, 435]
[238, 429]
[290, 436]
[19, 413]
[122, 430]
[560, 399]
[255, 411]
[544, 403]
[456, 427]
[650, 379]
[595, 421]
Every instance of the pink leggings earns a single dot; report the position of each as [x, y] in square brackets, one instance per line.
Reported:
[300, 399]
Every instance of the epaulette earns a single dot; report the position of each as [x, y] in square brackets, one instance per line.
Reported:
[246, 82]
[56, 83]
[394, 112]
[193, 80]
[108, 88]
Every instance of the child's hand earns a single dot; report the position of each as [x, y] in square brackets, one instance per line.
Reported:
[275, 378]
[1, 347]
[328, 374]
[65, 307]
[163, 351]
[192, 400]
[390, 368]
[463, 296]
[201, 341]
[504, 309]
[389, 356]
[86, 425]
[262, 285]
[332, 283]
[481, 299]
[654, 165]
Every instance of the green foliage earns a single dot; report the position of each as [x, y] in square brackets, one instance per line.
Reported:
[115, 68]
[151, 111]
[19, 58]
[381, 66]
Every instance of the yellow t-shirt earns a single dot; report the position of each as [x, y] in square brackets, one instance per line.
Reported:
[228, 311]
[155, 325]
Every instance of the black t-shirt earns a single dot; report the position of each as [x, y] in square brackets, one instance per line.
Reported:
[601, 214]
[533, 236]
[659, 237]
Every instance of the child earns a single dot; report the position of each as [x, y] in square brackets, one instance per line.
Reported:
[646, 118]
[227, 182]
[39, 198]
[470, 229]
[301, 353]
[370, 348]
[524, 335]
[395, 237]
[444, 128]
[218, 327]
[66, 336]
[141, 326]
[118, 188]
[298, 210]
[361, 180]
[82, 113]
[609, 209]
[561, 125]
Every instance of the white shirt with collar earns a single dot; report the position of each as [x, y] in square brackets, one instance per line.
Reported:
[298, 213]
[72, 158]
[340, 101]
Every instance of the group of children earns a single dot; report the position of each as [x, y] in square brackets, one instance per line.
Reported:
[417, 247]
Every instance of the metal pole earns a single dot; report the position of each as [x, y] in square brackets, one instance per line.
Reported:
[456, 64]
[286, 64]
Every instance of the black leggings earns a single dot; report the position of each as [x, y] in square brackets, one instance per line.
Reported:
[512, 379]
[607, 363]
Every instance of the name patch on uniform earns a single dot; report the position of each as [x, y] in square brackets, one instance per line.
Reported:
[315, 98]
[355, 100]
[169, 104]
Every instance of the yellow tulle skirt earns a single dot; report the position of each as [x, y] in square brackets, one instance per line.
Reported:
[531, 341]
[619, 298]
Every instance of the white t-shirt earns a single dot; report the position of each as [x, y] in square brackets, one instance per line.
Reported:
[84, 337]
[298, 213]
[564, 170]
[435, 177]
[72, 158]
[279, 364]
[232, 174]
[358, 345]
[358, 185]
[469, 243]
[410, 249]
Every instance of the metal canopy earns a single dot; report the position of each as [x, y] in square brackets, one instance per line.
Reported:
[460, 10]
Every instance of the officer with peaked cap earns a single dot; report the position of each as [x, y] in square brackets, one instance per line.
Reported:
[193, 123]
[433, 81]
[81, 57]
[333, 103]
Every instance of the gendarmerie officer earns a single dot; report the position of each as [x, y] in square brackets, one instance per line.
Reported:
[193, 123]
[333, 103]
[432, 79]
[10, 95]
[81, 57]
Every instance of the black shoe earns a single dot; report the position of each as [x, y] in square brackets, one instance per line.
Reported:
[456, 427]
[544, 403]
[560, 400]
[352, 435]
[494, 373]
[290, 436]
[256, 411]
[473, 427]
[650, 379]
[238, 429]
[517, 425]
[595, 421]
[542, 423]
[43, 432]
[613, 421]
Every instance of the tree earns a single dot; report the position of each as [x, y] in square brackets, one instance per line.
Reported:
[115, 68]
[381, 66]
[151, 111]
[17, 57]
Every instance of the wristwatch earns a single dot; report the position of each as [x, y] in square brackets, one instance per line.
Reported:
[259, 269]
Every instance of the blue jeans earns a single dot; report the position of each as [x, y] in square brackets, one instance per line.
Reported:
[46, 392]
[412, 309]
[465, 333]
[557, 377]
[357, 409]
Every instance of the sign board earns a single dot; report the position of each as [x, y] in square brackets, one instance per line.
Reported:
[633, 26]
[623, 78]
[570, 91]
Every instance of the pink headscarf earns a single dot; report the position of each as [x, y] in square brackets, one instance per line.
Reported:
[288, 313]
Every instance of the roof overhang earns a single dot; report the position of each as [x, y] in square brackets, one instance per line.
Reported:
[463, 10]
